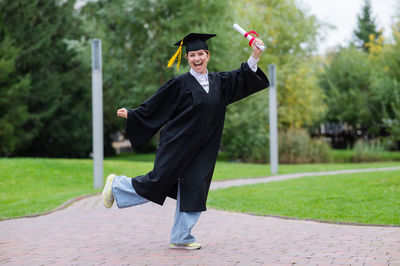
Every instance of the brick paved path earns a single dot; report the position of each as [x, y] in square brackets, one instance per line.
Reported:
[88, 234]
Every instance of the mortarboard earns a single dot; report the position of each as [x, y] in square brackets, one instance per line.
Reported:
[193, 42]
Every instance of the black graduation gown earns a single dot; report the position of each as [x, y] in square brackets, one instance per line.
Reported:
[190, 139]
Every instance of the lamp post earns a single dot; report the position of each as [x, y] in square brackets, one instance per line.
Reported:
[97, 114]
[273, 120]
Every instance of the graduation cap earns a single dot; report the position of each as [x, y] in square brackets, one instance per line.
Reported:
[193, 42]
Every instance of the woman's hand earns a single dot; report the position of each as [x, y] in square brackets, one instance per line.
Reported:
[256, 51]
[122, 113]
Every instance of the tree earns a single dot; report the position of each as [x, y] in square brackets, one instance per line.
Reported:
[366, 27]
[363, 89]
[138, 38]
[13, 90]
[386, 83]
[354, 96]
[57, 103]
[301, 99]
[290, 36]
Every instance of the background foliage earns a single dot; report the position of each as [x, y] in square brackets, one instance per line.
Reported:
[50, 87]
[45, 60]
[362, 89]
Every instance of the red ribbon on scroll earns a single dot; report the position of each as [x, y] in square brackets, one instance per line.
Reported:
[251, 34]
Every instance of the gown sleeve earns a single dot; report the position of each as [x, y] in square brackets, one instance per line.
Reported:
[143, 122]
[242, 82]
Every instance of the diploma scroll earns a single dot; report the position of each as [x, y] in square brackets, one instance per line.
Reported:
[248, 36]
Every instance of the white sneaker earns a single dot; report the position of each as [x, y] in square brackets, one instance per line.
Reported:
[107, 195]
[190, 246]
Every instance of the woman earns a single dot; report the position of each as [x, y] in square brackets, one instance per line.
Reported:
[191, 107]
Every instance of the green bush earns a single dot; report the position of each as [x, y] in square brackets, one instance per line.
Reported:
[349, 156]
[365, 151]
[296, 146]
[246, 136]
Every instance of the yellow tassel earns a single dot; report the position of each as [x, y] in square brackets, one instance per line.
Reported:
[172, 60]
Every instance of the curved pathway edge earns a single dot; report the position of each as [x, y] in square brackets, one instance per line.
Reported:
[267, 179]
[247, 181]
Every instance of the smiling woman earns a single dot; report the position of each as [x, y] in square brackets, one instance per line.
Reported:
[192, 108]
[198, 60]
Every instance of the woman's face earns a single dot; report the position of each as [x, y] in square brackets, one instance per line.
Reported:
[198, 60]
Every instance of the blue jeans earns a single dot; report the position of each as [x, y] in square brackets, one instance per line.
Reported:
[126, 196]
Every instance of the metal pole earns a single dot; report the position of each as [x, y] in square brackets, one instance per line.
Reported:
[97, 114]
[273, 121]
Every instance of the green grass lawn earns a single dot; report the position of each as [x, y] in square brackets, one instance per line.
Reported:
[30, 185]
[36, 185]
[137, 164]
[372, 198]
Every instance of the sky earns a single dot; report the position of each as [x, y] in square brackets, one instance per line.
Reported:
[343, 15]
